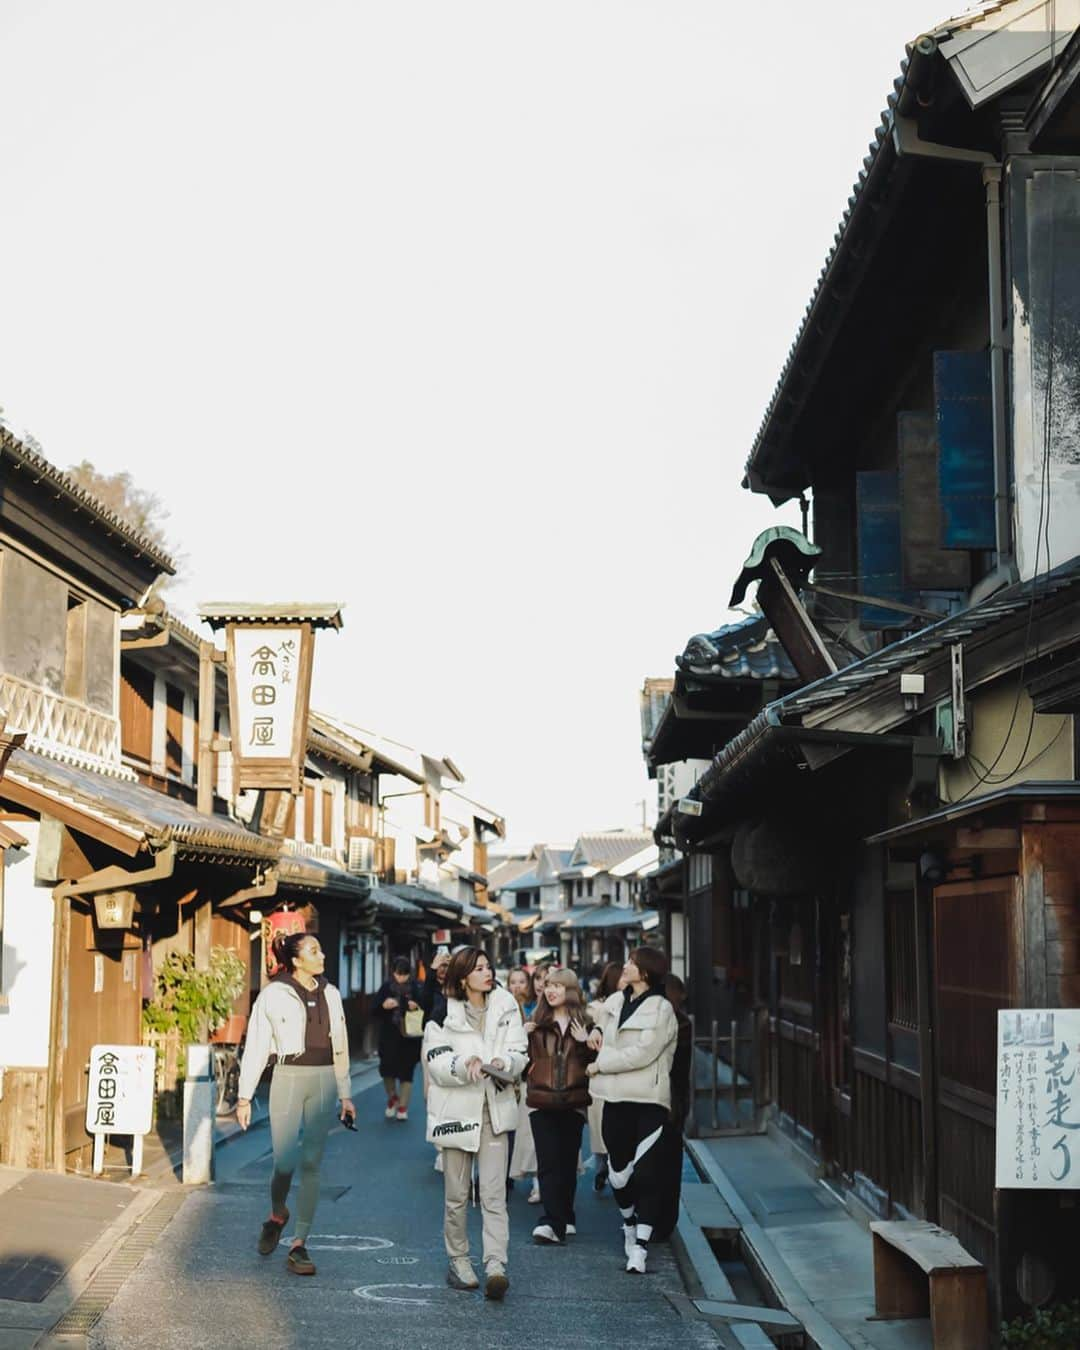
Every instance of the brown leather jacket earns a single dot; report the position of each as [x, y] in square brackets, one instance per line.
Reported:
[557, 1080]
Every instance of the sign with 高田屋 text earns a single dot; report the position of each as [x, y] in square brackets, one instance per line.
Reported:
[269, 686]
[1038, 1099]
[120, 1094]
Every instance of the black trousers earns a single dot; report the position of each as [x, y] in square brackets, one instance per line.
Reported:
[626, 1126]
[557, 1135]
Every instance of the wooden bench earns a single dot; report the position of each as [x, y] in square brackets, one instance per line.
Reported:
[920, 1270]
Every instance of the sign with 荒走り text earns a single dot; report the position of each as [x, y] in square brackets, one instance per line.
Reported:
[1038, 1099]
[120, 1094]
[269, 686]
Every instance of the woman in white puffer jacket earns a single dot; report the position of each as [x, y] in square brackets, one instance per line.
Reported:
[470, 1113]
[632, 1077]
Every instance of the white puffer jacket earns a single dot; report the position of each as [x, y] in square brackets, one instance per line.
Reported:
[455, 1106]
[634, 1063]
[278, 1025]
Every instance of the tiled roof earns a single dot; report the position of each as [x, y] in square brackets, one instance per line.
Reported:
[737, 651]
[879, 159]
[612, 846]
[137, 812]
[38, 466]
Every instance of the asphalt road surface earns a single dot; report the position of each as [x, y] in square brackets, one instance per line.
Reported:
[381, 1282]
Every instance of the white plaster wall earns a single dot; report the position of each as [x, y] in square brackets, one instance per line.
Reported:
[27, 974]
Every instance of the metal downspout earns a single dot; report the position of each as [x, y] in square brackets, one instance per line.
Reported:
[991, 176]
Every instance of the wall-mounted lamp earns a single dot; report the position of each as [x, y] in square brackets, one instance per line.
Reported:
[932, 867]
[912, 688]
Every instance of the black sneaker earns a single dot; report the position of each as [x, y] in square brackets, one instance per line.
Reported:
[271, 1233]
[600, 1180]
[299, 1261]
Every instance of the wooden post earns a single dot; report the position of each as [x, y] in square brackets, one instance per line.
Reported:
[205, 759]
[58, 1015]
[714, 1050]
[924, 937]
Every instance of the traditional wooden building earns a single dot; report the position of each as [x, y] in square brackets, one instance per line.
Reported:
[901, 827]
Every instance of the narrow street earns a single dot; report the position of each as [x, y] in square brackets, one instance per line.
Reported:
[381, 1265]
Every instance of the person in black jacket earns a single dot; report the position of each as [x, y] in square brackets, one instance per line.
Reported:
[399, 1054]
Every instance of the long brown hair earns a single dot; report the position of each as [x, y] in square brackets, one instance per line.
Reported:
[545, 1014]
[608, 983]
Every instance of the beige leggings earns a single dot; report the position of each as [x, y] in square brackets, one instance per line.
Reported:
[491, 1163]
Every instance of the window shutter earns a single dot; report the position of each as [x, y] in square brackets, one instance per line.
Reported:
[877, 499]
[926, 566]
[965, 449]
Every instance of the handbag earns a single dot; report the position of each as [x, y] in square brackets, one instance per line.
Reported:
[412, 1024]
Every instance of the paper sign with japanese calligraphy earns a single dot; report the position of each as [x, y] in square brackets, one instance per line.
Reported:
[269, 684]
[1038, 1099]
[120, 1095]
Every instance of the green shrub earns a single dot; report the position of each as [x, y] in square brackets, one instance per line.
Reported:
[1053, 1328]
[195, 1002]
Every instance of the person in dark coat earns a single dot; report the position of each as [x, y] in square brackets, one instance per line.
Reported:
[671, 1141]
[433, 994]
[399, 1054]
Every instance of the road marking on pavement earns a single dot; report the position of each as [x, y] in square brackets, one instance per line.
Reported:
[397, 1260]
[368, 1291]
[352, 1242]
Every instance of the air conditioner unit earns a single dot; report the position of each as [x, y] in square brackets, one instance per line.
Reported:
[371, 878]
[361, 854]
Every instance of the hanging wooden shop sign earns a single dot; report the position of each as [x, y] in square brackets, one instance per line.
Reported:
[269, 690]
[268, 650]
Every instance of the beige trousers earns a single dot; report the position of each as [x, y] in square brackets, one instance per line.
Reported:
[457, 1175]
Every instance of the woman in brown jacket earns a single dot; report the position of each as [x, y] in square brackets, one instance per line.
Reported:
[561, 1047]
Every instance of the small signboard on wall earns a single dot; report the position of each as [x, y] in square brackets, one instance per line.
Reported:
[1038, 1099]
[120, 1097]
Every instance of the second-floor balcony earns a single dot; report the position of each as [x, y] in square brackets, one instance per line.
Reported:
[62, 727]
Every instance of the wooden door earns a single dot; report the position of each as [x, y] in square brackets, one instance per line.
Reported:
[976, 942]
[103, 1007]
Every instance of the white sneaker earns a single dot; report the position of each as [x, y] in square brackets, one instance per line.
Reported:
[391, 1108]
[571, 1230]
[629, 1239]
[534, 1194]
[635, 1261]
[544, 1233]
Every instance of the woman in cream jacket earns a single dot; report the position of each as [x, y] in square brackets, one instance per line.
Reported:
[470, 1112]
[632, 1077]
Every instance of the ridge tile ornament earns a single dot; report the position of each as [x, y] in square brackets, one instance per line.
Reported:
[269, 652]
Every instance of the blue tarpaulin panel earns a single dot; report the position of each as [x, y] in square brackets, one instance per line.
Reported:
[877, 501]
[965, 449]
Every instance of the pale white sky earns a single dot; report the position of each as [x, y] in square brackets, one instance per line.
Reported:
[464, 314]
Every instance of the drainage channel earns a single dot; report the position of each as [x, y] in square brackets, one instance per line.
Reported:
[107, 1281]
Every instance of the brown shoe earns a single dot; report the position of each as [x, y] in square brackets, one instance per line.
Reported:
[271, 1232]
[299, 1261]
[496, 1284]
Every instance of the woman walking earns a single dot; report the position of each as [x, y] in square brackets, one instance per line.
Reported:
[473, 1060]
[399, 1048]
[523, 1158]
[608, 983]
[560, 1051]
[299, 1018]
[632, 1077]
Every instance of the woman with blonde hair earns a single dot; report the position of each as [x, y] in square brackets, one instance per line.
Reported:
[560, 1051]
[474, 1059]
